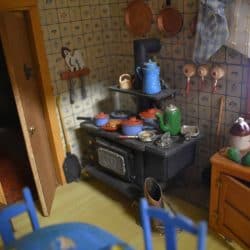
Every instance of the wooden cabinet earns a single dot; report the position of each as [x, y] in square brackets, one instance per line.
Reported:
[229, 212]
[20, 34]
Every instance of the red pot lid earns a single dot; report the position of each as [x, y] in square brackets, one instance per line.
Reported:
[240, 128]
[149, 113]
[132, 121]
[101, 115]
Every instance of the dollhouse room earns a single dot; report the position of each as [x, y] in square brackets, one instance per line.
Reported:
[125, 124]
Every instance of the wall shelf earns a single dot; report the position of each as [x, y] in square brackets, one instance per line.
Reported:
[165, 93]
[66, 75]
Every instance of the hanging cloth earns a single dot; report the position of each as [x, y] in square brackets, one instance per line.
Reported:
[239, 26]
[212, 29]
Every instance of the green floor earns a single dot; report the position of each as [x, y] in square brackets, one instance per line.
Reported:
[95, 203]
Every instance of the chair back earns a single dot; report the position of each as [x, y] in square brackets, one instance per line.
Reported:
[7, 213]
[171, 223]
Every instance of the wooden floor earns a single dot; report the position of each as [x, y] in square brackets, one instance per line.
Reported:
[95, 203]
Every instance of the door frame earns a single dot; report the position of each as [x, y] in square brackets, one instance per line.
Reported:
[44, 81]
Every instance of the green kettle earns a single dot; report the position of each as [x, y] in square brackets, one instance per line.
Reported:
[170, 120]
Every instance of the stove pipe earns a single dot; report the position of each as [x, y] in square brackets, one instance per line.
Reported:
[142, 48]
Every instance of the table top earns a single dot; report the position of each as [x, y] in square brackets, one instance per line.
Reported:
[69, 236]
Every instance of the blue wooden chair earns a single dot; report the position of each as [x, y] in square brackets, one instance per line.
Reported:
[7, 213]
[171, 223]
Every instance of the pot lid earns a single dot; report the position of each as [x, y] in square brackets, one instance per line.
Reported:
[149, 113]
[132, 121]
[240, 128]
[171, 107]
[101, 115]
[150, 64]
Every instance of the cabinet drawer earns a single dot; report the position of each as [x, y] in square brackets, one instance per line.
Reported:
[234, 209]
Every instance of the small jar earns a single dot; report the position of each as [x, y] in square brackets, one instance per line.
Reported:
[240, 135]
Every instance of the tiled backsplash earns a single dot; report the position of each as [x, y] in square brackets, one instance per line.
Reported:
[97, 28]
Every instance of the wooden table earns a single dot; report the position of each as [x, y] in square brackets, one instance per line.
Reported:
[69, 236]
[229, 212]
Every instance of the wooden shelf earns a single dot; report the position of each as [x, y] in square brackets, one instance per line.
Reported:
[67, 75]
[157, 97]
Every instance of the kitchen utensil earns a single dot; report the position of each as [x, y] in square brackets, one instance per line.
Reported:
[128, 136]
[189, 71]
[220, 119]
[170, 120]
[120, 114]
[83, 88]
[240, 135]
[149, 114]
[132, 126]
[191, 131]
[149, 73]
[164, 141]
[112, 125]
[202, 71]
[125, 81]
[170, 20]
[146, 136]
[138, 17]
[74, 62]
[149, 117]
[99, 120]
[71, 164]
[217, 73]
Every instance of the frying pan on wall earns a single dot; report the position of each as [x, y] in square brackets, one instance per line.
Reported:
[170, 20]
[138, 17]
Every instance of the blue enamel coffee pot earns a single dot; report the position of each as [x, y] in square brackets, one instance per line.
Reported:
[149, 73]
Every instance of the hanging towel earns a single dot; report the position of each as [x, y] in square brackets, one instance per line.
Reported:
[212, 29]
[239, 26]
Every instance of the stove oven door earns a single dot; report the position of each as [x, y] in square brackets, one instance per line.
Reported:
[115, 159]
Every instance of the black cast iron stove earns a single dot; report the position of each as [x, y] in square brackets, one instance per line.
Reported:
[124, 164]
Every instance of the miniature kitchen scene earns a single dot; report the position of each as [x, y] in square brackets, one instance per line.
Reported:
[133, 110]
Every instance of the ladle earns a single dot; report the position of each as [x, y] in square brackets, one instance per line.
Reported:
[202, 72]
[217, 73]
[189, 70]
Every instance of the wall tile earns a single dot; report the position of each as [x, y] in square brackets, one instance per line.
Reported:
[75, 14]
[61, 3]
[233, 103]
[63, 15]
[53, 31]
[205, 112]
[65, 29]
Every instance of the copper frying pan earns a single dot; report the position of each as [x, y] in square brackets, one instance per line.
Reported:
[170, 20]
[138, 17]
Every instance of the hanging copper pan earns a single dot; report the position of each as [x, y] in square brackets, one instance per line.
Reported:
[170, 20]
[138, 17]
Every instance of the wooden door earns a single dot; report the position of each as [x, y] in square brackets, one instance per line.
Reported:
[234, 210]
[23, 72]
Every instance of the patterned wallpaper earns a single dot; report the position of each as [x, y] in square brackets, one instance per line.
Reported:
[97, 28]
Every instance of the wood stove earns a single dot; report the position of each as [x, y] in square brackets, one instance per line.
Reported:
[124, 164]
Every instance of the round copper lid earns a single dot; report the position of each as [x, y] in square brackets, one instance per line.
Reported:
[132, 121]
[101, 115]
[240, 128]
[149, 113]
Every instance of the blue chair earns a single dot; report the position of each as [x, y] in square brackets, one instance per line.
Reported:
[7, 213]
[171, 223]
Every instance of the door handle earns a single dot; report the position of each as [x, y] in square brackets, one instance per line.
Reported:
[27, 71]
[32, 130]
